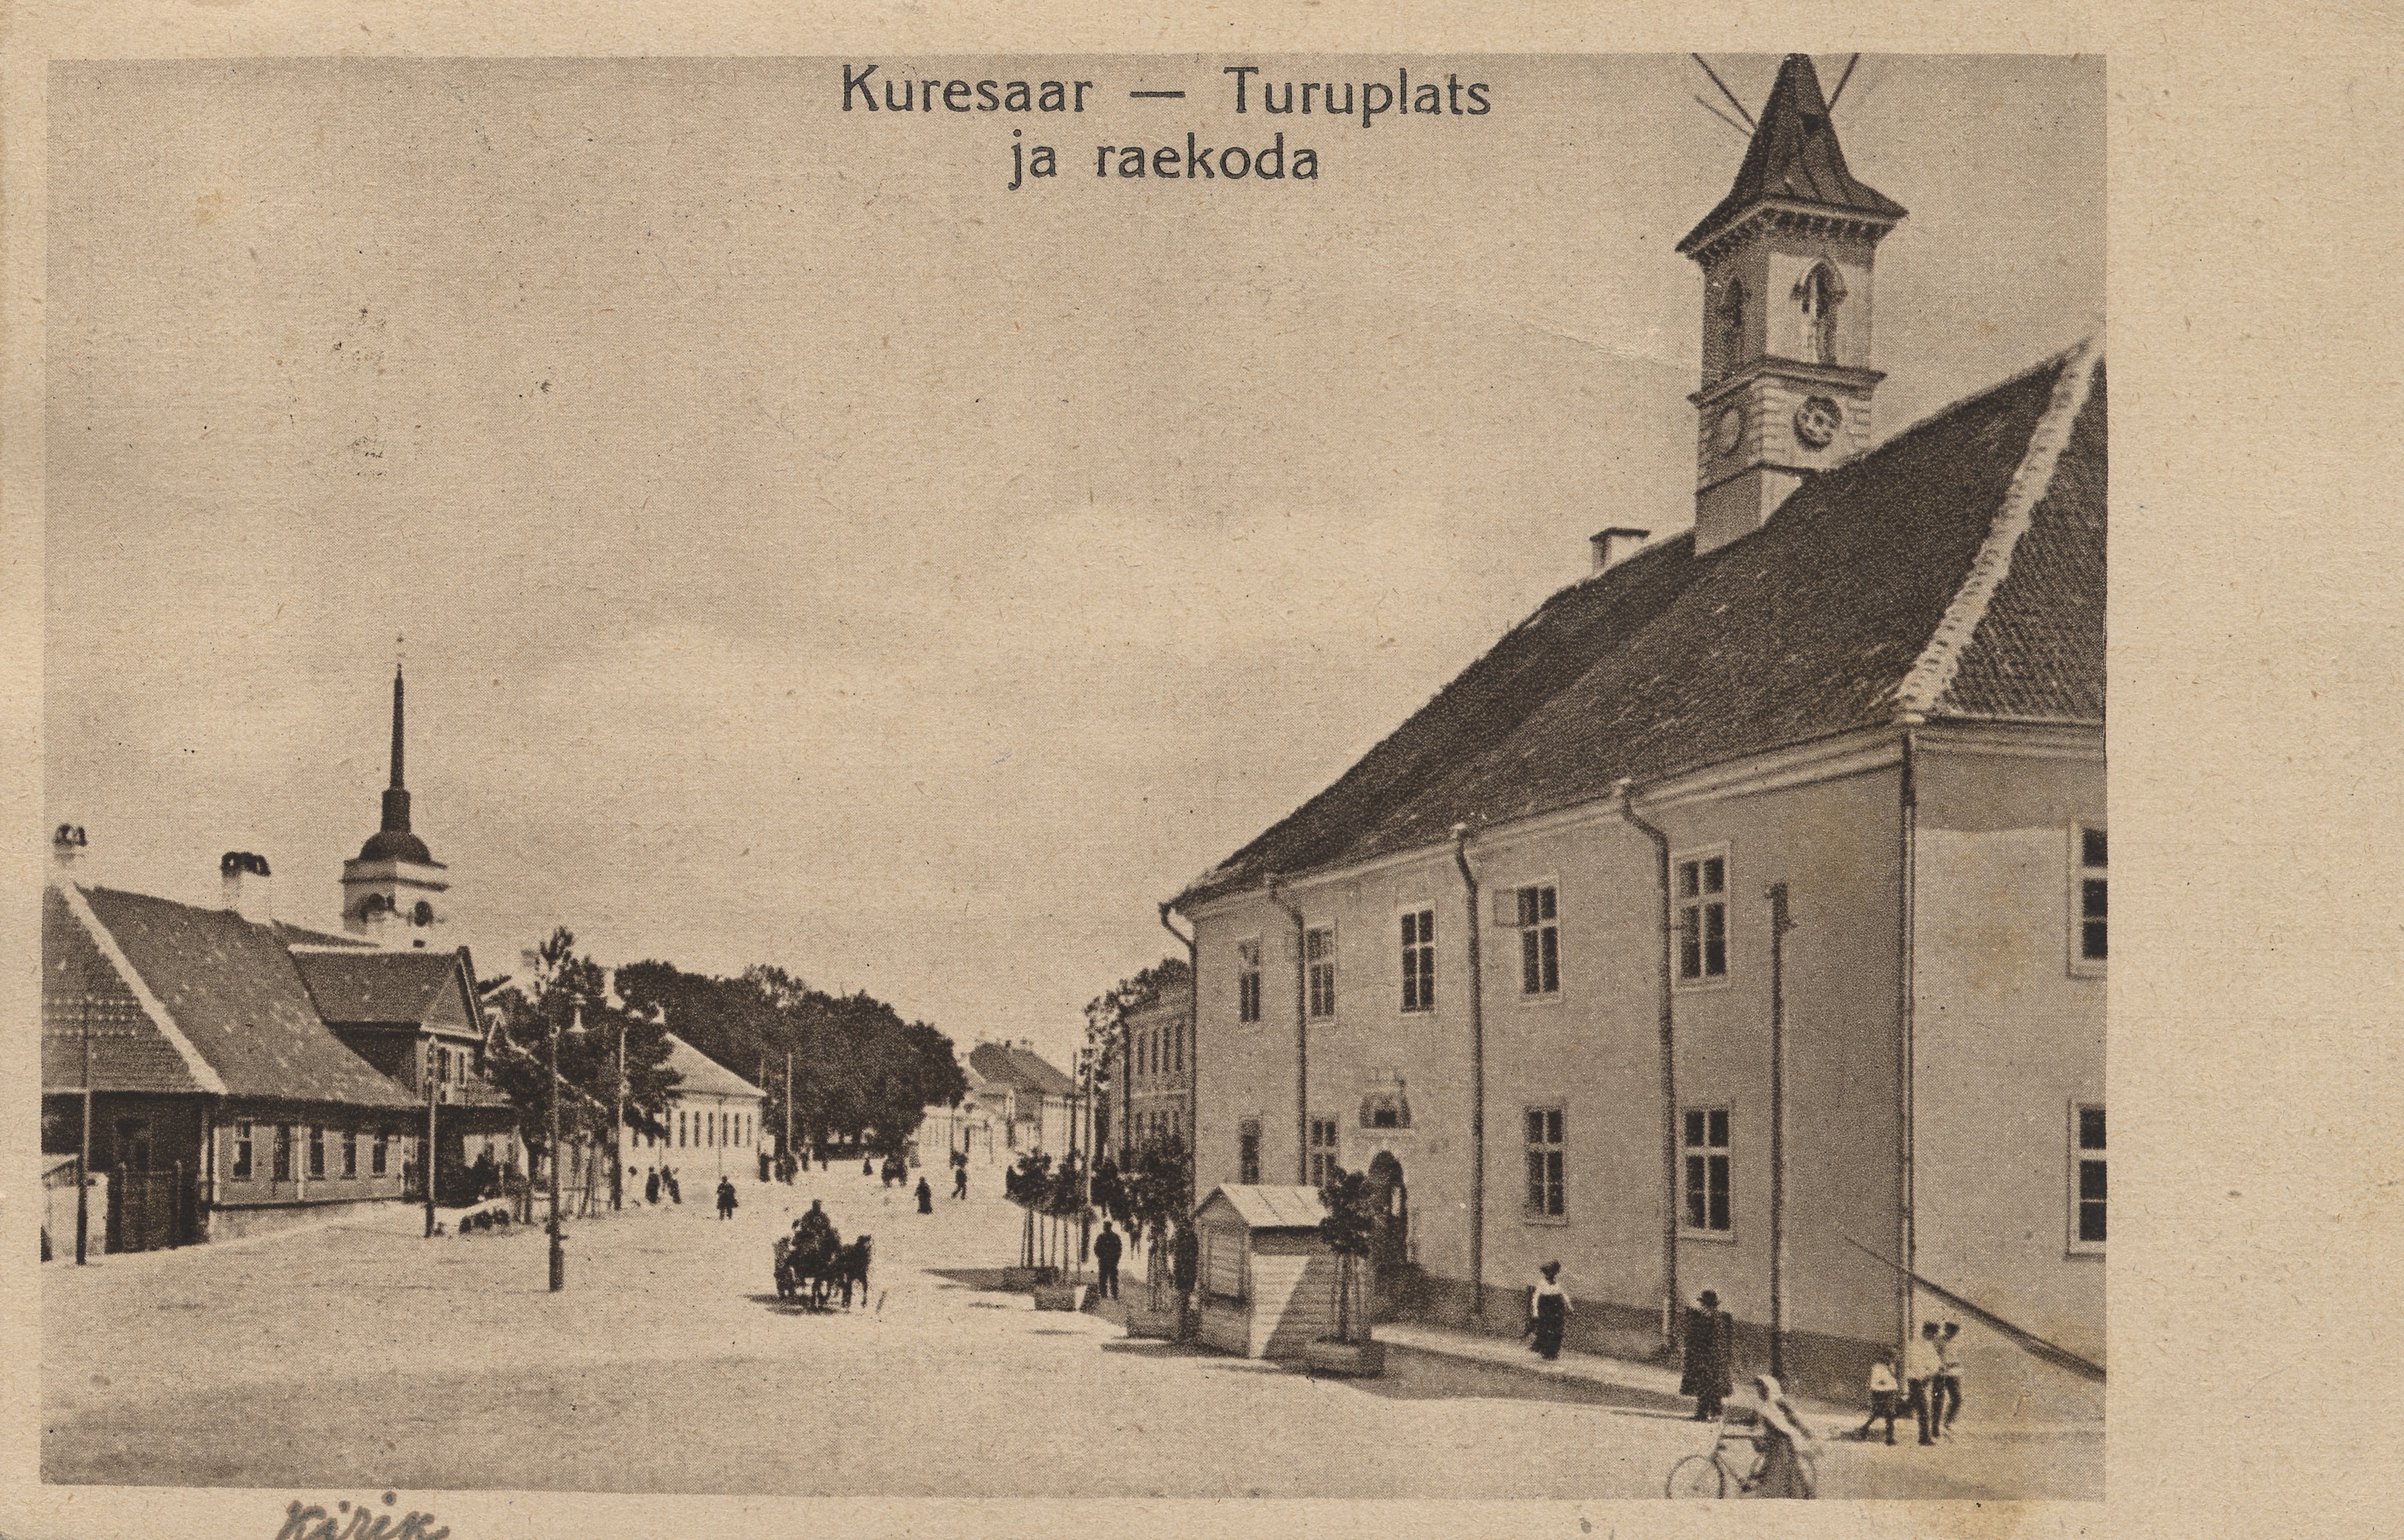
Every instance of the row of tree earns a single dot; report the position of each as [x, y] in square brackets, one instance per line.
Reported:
[859, 1072]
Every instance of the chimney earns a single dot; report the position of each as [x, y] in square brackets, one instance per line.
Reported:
[1613, 546]
[247, 887]
[68, 846]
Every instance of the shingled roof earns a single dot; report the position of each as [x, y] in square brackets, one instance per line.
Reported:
[698, 1073]
[387, 988]
[1954, 572]
[206, 1001]
[1795, 157]
[1022, 1069]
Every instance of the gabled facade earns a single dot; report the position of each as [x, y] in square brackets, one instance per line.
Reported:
[1739, 921]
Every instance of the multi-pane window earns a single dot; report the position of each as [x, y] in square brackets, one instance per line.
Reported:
[350, 1154]
[242, 1152]
[316, 1151]
[1545, 1186]
[1248, 1153]
[282, 1168]
[1322, 1151]
[1248, 980]
[1537, 911]
[380, 1155]
[1319, 960]
[1419, 960]
[2087, 1162]
[1706, 1168]
[1177, 1035]
[2091, 889]
[1702, 919]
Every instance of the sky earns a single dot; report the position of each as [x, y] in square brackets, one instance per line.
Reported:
[811, 551]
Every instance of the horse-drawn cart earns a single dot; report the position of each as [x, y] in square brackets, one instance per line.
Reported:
[811, 1269]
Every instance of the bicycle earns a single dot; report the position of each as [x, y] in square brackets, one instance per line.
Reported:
[1715, 1474]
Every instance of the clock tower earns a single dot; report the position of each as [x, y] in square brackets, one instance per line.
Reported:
[1787, 260]
[394, 893]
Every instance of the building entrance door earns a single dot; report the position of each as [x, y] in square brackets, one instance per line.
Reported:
[1390, 1245]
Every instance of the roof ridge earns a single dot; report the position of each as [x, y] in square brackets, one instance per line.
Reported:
[200, 1070]
[1931, 674]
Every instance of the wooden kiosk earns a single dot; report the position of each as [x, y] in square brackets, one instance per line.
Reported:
[1267, 1282]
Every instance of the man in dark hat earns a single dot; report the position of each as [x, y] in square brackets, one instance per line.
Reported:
[1711, 1334]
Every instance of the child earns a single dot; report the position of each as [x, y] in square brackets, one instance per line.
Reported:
[1882, 1389]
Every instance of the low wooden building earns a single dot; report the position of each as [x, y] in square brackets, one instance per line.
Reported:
[1267, 1281]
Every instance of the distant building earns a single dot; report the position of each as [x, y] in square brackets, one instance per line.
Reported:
[711, 1123]
[1152, 1074]
[1017, 1102]
[1739, 921]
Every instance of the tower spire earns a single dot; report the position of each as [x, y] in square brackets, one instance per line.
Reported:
[395, 799]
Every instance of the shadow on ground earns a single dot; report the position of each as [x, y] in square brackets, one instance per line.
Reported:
[988, 1279]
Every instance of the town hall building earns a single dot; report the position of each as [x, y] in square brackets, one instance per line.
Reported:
[1740, 920]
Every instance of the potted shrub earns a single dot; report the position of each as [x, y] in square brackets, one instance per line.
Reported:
[1063, 1202]
[1156, 1184]
[1028, 1185]
[1348, 1229]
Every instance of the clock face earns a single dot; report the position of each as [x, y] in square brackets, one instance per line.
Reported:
[1816, 421]
[1727, 430]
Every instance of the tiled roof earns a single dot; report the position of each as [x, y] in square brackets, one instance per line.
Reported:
[1022, 1069]
[1270, 1207]
[294, 936]
[390, 988]
[1956, 571]
[1794, 157]
[132, 1049]
[698, 1073]
[229, 988]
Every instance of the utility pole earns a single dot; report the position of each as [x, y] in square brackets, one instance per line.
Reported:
[83, 1161]
[558, 1250]
[427, 1172]
[787, 1148]
[1780, 923]
[618, 1129]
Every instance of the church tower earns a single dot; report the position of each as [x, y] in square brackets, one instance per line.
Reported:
[1787, 260]
[393, 894]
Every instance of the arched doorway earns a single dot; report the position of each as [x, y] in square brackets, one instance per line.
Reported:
[1390, 1245]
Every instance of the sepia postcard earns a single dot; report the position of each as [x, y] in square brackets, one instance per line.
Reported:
[845, 786]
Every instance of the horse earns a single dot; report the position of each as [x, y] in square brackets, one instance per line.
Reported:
[851, 1266]
[810, 1264]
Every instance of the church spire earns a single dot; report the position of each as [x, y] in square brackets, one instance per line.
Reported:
[395, 799]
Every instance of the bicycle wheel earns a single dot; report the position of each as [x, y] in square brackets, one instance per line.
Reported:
[1698, 1476]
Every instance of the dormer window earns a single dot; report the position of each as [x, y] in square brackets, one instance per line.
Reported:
[1819, 293]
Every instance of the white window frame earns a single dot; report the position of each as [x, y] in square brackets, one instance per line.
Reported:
[1707, 1152]
[1323, 1150]
[1248, 974]
[243, 1167]
[2079, 1156]
[2080, 874]
[1703, 901]
[1410, 913]
[1508, 914]
[380, 1154]
[1555, 1148]
[1311, 966]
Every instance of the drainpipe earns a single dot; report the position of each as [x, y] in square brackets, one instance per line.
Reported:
[1668, 1072]
[1904, 1143]
[1780, 921]
[1476, 1083]
[1193, 1048]
[1301, 1043]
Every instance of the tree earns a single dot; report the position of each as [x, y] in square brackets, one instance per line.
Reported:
[1028, 1185]
[1348, 1228]
[565, 986]
[1157, 1181]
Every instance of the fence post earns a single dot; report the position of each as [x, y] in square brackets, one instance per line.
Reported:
[175, 1210]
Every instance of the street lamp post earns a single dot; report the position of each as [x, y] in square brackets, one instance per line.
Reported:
[618, 1129]
[558, 1247]
[83, 1160]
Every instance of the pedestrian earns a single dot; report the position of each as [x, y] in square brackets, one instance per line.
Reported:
[926, 1197]
[1711, 1334]
[1920, 1367]
[1882, 1389]
[652, 1187]
[726, 1198]
[676, 1188]
[1948, 1405]
[867, 1167]
[1548, 1312]
[1787, 1467]
[1106, 1261]
[960, 1179]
